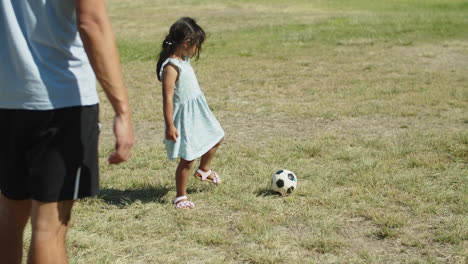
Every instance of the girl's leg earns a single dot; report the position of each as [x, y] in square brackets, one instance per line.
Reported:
[205, 162]
[182, 175]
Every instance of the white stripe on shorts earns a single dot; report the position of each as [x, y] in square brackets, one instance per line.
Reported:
[77, 183]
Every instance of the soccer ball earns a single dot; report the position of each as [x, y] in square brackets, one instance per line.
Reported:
[284, 182]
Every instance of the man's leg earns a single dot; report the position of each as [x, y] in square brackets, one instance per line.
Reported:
[13, 218]
[49, 223]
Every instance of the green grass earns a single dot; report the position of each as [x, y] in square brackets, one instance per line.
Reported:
[366, 101]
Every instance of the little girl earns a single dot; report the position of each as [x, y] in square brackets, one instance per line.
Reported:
[192, 131]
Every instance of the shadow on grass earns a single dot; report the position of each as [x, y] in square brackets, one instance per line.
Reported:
[200, 187]
[266, 192]
[124, 198]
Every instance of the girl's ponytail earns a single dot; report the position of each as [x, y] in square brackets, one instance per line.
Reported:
[168, 47]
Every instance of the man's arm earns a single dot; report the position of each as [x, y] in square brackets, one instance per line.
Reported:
[100, 45]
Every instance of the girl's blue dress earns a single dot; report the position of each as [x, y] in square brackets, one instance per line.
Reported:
[198, 128]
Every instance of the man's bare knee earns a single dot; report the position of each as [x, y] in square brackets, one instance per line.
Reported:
[51, 219]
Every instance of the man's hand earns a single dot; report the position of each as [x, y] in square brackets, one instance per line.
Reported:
[124, 140]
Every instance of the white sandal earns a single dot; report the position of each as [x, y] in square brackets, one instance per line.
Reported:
[203, 176]
[182, 202]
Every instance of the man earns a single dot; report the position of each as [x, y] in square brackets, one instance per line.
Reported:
[51, 52]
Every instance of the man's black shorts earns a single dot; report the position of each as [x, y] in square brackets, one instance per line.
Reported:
[49, 155]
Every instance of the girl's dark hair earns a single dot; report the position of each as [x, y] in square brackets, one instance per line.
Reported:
[183, 29]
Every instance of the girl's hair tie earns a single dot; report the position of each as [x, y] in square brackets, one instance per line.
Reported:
[168, 42]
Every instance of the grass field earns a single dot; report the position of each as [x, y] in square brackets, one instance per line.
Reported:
[366, 101]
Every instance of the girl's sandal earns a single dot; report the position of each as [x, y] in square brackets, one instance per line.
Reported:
[209, 176]
[182, 202]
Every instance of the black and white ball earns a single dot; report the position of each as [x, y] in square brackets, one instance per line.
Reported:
[284, 182]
